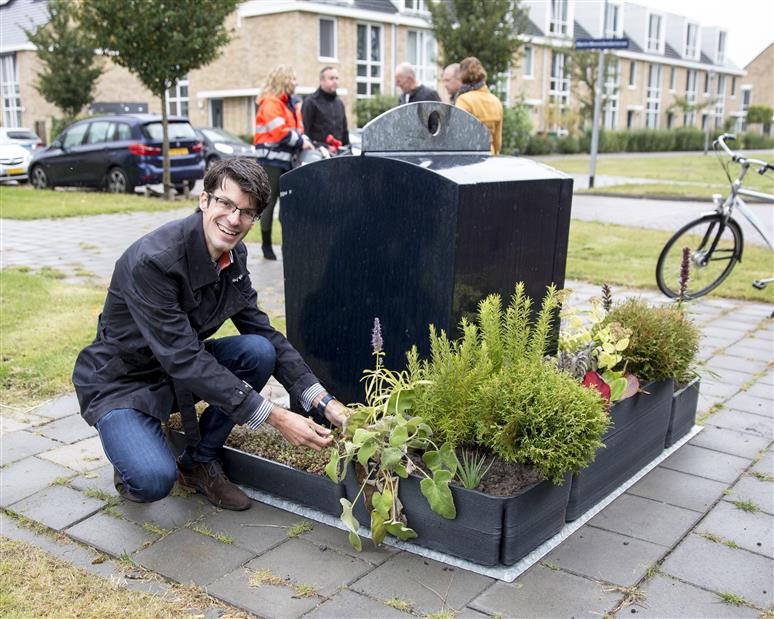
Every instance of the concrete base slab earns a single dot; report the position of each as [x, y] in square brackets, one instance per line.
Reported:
[168, 513]
[57, 507]
[667, 597]
[59, 407]
[22, 444]
[350, 605]
[743, 422]
[70, 429]
[707, 463]
[742, 444]
[191, 558]
[760, 492]
[751, 531]
[257, 529]
[679, 489]
[306, 564]
[413, 579]
[26, 477]
[543, 592]
[269, 601]
[716, 567]
[85, 455]
[605, 555]
[111, 535]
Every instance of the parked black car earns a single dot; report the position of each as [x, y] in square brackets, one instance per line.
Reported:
[118, 153]
[221, 144]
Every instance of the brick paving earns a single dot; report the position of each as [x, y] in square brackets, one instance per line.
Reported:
[669, 545]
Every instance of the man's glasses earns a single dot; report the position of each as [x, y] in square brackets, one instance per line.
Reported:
[247, 215]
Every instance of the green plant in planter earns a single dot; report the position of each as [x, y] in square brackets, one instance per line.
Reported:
[663, 343]
[378, 437]
[592, 352]
[495, 389]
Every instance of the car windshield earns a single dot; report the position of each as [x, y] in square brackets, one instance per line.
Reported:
[177, 131]
[22, 135]
[220, 135]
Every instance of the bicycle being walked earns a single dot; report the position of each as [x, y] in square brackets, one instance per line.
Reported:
[715, 239]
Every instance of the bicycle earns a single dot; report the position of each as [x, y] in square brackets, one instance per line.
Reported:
[715, 239]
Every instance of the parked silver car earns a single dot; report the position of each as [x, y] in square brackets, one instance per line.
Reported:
[21, 136]
[14, 162]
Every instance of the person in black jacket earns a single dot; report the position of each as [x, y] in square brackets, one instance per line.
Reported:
[323, 112]
[411, 89]
[171, 290]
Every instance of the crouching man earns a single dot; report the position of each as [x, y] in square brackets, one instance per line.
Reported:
[170, 291]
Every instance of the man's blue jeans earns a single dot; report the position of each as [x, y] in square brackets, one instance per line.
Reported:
[134, 442]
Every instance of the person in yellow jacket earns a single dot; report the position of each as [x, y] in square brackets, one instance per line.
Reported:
[279, 134]
[474, 97]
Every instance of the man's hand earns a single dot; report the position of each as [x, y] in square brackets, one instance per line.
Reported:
[337, 413]
[299, 430]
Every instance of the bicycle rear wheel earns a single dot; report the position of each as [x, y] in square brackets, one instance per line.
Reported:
[715, 250]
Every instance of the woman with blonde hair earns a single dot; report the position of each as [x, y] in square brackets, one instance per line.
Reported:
[474, 97]
[279, 134]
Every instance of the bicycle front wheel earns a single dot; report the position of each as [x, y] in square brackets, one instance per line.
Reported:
[714, 251]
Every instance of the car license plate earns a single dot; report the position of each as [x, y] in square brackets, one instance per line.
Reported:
[12, 171]
[178, 151]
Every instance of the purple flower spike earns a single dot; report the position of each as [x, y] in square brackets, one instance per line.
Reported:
[376, 337]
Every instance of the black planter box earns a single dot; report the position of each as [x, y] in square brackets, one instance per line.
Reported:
[635, 438]
[683, 415]
[278, 479]
[488, 530]
[533, 516]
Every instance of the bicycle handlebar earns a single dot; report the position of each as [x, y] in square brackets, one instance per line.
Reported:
[741, 159]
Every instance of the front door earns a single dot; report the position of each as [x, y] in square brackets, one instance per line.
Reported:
[216, 113]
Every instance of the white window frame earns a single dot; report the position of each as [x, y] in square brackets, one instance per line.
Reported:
[559, 84]
[655, 45]
[612, 94]
[529, 52]
[691, 77]
[691, 52]
[425, 45]
[720, 52]
[615, 29]
[653, 96]
[632, 83]
[175, 96]
[559, 17]
[720, 101]
[9, 88]
[335, 43]
[368, 79]
[417, 6]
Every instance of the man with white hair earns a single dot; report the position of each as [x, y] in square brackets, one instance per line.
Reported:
[411, 89]
[451, 81]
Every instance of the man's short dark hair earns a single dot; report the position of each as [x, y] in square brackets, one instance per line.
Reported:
[324, 69]
[246, 173]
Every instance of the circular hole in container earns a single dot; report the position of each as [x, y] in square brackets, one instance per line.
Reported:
[434, 123]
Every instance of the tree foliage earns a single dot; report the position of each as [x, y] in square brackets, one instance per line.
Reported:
[582, 67]
[487, 30]
[759, 114]
[159, 41]
[70, 66]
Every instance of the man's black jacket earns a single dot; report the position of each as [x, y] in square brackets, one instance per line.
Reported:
[420, 93]
[323, 114]
[165, 298]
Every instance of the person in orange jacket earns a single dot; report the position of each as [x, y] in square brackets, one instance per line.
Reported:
[474, 97]
[279, 134]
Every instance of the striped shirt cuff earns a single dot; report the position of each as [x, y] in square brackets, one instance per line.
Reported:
[261, 414]
[310, 394]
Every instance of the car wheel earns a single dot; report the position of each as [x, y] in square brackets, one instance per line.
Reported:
[211, 161]
[118, 181]
[40, 178]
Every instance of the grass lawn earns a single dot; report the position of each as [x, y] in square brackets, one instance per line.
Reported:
[35, 584]
[694, 168]
[29, 203]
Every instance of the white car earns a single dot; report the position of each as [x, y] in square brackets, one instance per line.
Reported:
[21, 136]
[14, 162]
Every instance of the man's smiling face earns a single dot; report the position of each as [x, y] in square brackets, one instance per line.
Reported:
[224, 227]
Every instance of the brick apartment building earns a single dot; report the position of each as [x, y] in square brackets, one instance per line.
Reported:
[670, 56]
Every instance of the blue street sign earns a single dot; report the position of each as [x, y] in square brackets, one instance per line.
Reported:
[601, 43]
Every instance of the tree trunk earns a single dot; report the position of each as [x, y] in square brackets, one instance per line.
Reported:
[166, 175]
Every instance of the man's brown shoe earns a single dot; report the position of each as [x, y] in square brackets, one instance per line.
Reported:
[121, 488]
[210, 480]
